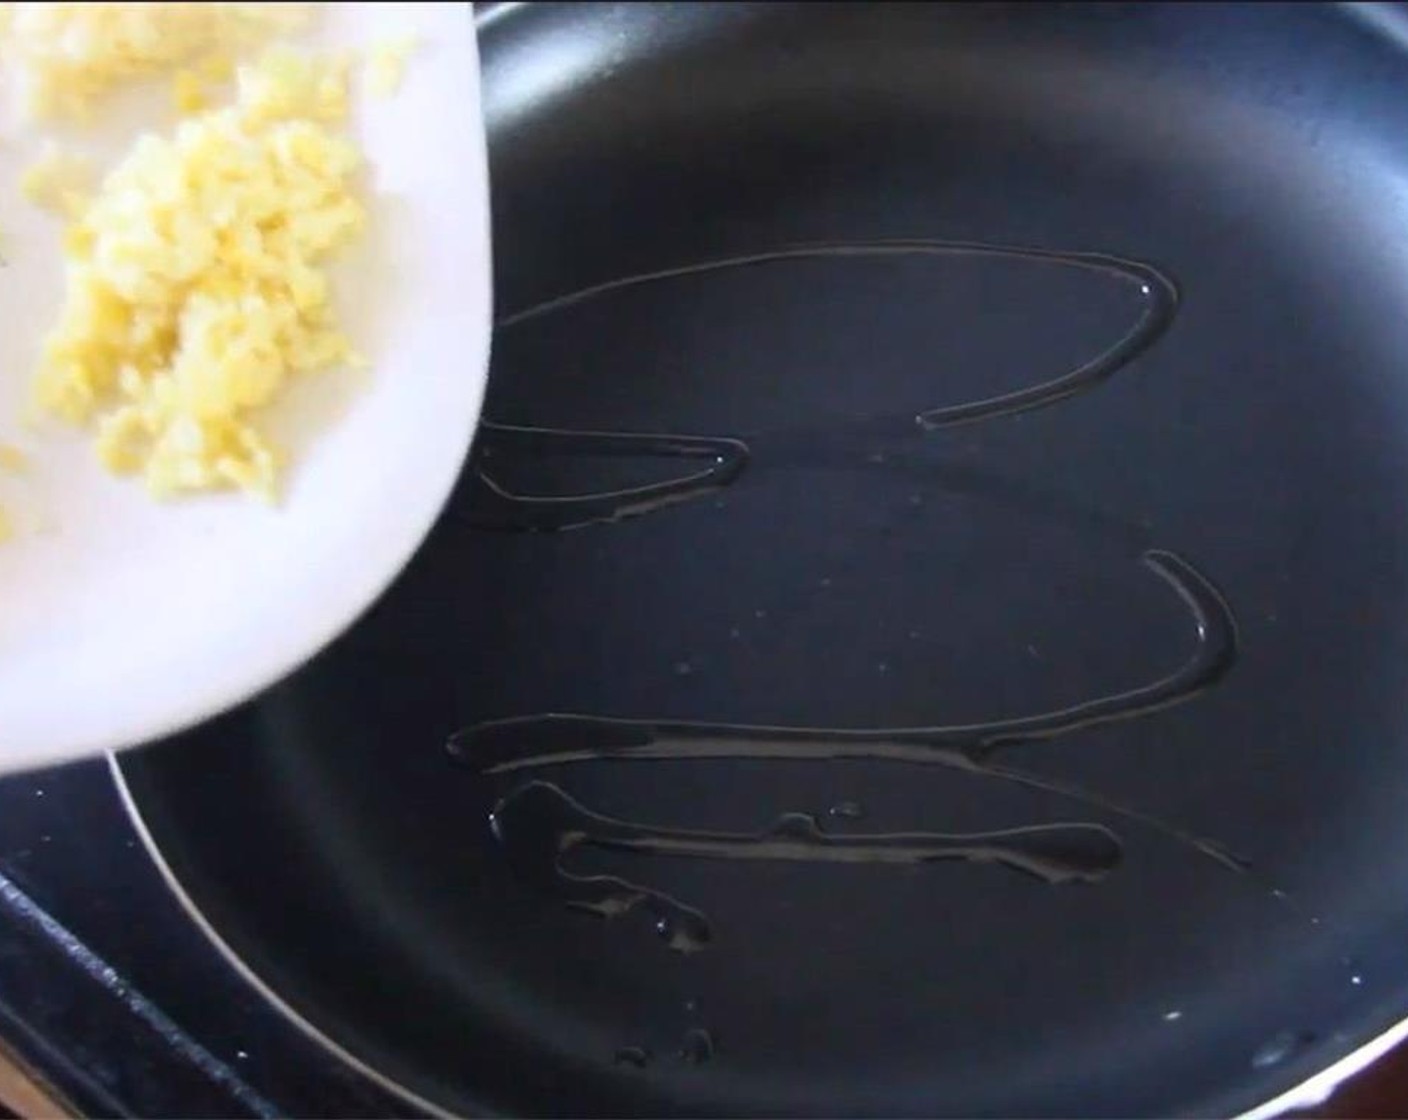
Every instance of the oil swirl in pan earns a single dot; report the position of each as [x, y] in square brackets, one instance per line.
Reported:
[539, 825]
[717, 462]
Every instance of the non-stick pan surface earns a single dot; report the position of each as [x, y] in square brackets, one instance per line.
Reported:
[925, 630]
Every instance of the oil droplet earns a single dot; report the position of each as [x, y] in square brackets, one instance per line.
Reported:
[698, 1047]
[686, 931]
[242, 1055]
[637, 1057]
[1172, 1016]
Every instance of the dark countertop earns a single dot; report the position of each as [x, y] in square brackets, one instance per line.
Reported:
[112, 995]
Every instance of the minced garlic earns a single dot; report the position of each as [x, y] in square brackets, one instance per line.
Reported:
[69, 57]
[195, 286]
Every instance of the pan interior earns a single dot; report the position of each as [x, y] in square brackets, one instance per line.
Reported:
[950, 612]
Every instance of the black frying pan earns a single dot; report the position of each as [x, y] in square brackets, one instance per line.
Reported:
[925, 629]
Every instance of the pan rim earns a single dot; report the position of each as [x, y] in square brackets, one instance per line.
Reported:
[243, 969]
[1314, 1091]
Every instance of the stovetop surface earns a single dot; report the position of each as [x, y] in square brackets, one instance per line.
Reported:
[111, 993]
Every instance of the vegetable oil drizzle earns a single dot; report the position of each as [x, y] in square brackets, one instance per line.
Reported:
[525, 742]
[490, 501]
[539, 825]
[497, 506]
[1159, 292]
[519, 744]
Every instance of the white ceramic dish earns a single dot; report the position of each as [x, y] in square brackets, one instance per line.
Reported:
[122, 620]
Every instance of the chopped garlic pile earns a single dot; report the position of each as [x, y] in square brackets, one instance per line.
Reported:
[68, 57]
[58, 180]
[195, 286]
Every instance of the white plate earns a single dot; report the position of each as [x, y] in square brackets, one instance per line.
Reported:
[122, 620]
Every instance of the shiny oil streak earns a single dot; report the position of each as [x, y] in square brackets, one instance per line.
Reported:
[539, 825]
